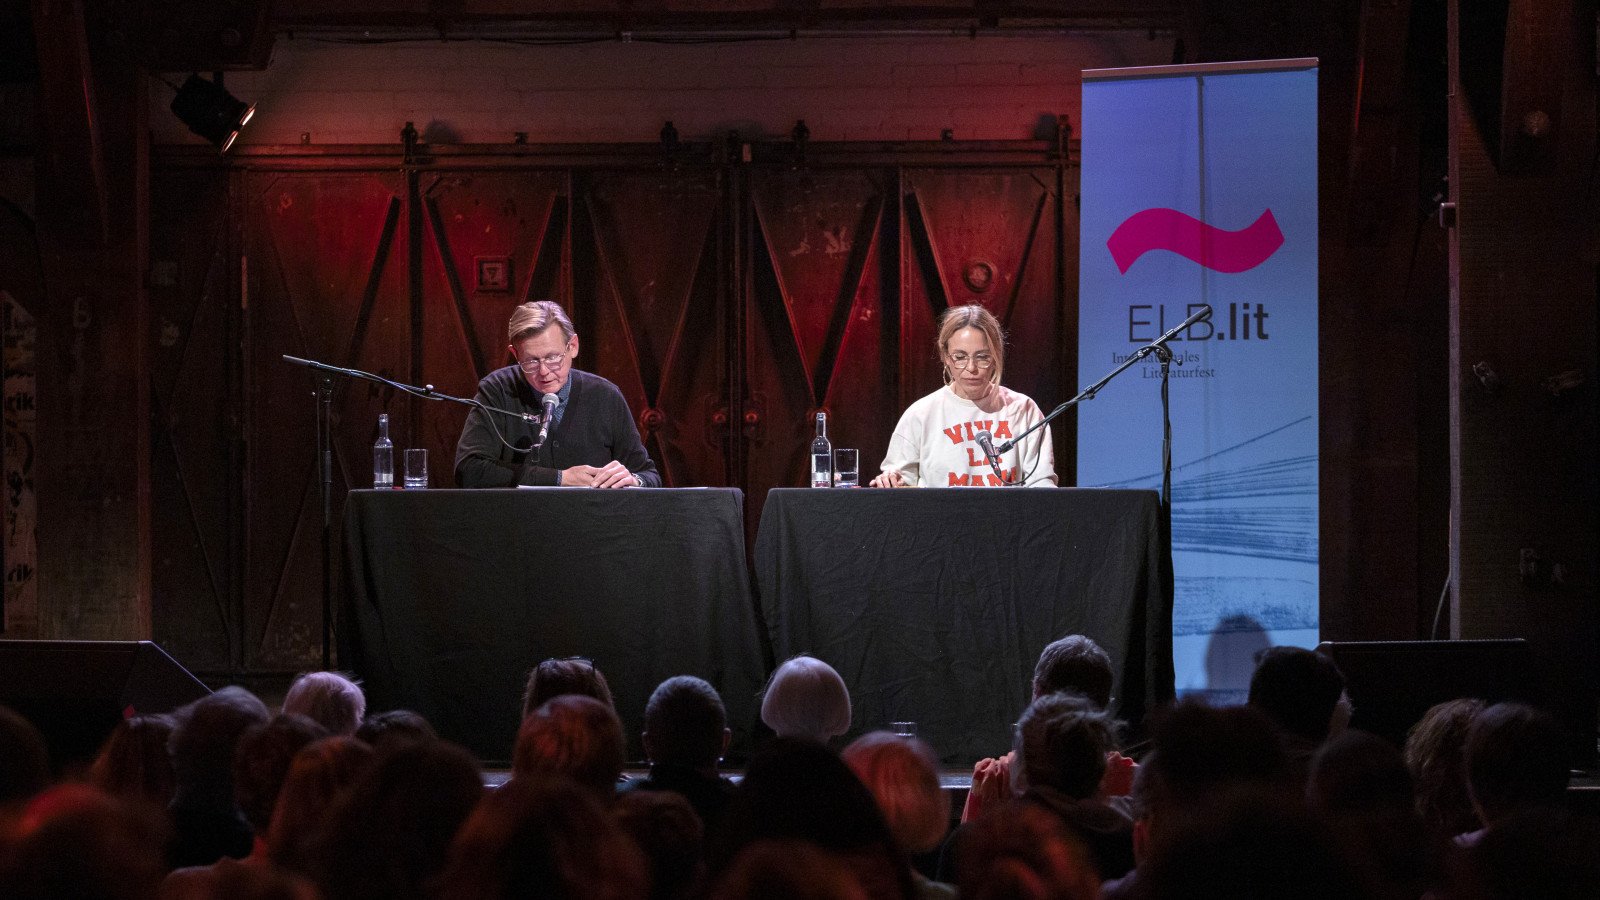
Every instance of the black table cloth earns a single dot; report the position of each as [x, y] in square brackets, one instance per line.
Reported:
[933, 605]
[452, 597]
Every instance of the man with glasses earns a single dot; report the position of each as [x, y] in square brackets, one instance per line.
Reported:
[591, 442]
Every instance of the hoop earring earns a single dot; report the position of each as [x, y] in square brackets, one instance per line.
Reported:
[947, 378]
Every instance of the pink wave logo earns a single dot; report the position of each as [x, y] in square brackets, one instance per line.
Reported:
[1194, 240]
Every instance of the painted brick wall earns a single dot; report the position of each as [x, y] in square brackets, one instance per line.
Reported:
[854, 89]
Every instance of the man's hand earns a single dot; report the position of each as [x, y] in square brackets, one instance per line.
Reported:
[579, 476]
[887, 480]
[991, 786]
[614, 475]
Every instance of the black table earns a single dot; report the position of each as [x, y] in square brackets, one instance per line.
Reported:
[934, 604]
[452, 597]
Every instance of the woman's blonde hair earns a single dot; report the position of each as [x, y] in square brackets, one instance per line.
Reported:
[973, 316]
[903, 777]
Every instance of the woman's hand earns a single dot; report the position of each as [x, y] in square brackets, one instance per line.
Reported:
[887, 480]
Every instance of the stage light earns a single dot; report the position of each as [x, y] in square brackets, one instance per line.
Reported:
[211, 112]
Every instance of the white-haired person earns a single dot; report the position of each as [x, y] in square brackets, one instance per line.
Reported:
[806, 698]
[936, 443]
[331, 699]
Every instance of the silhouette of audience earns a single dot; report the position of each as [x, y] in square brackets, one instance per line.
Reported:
[1267, 800]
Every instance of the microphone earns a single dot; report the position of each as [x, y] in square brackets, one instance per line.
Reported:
[987, 444]
[550, 403]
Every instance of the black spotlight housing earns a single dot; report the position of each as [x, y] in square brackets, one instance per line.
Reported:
[211, 112]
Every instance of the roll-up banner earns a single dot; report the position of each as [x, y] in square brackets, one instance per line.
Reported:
[1199, 186]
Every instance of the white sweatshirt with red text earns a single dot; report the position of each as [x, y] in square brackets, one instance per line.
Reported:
[935, 444]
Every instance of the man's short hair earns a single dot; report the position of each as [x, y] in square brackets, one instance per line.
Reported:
[1075, 663]
[685, 719]
[575, 736]
[1516, 759]
[806, 698]
[1299, 689]
[204, 736]
[261, 763]
[1062, 741]
[532, 318]
[554, 677]
[331, 699]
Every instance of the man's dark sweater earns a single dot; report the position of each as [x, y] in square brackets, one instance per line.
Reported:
[595, 428]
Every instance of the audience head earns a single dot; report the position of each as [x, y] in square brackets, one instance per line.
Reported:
[685, 724]
[387, 835]
[666, 828]
[1075, 663]
[789, 870]
[24, 758]
[1358, 772]
[903, 776]
[1516, 758]
[73, 841]
[543, 837]
[204, 737]
[316, 776]
[795, 789]
[574, 736]
[555, 677]
[1201, 750]
[1061, 744]
[806, 698]
[331, 699]
[262, 761]
[1360, 785]
[1538, 854]
[1254, 842]
[1435, 754]
[1300, 689]
[1025, 853]
[380, 730]
[134, 762]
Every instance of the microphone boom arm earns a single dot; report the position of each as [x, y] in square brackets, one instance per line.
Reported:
[426, 391]
[1157, 346]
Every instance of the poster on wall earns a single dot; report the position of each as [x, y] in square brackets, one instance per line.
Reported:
[1199, 186]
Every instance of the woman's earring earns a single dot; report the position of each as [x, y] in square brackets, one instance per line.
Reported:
[946, 370]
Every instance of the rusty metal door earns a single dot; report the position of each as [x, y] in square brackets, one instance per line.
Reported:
[195, 449]
[648, 303]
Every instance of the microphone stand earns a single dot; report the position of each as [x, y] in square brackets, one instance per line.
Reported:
[1157, 348]
[324, 394]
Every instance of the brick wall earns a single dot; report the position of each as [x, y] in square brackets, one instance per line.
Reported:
[847, 89]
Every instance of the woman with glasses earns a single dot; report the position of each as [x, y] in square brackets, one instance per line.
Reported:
[936, 443]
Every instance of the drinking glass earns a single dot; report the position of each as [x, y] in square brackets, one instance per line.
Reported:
[846, 468]
[416, 469]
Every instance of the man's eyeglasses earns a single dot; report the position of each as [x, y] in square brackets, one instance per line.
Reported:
[983, 362]
[551, 362]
